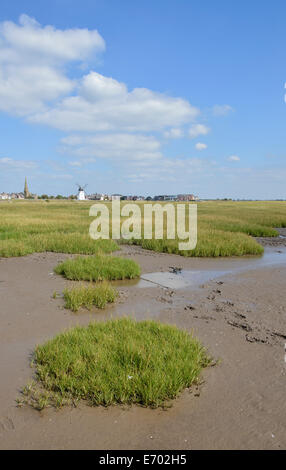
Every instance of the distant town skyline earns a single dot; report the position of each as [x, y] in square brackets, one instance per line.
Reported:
[143, 98]
[83, 195]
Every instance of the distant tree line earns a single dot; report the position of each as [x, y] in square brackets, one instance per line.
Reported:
[59, 196]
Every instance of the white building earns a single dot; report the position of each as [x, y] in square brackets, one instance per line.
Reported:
[4, 196]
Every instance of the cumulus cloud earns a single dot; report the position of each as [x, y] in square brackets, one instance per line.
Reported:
[201, 146]
[105, 118]
[174, 133]
[233, 158]
[221, 110]
[32, 60]
[25, 89]
[198, 129]
[103, 103]
[113, 146]
[29, 40]
[95, 87]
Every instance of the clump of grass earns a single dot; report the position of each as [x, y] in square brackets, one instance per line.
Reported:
[98, 268]
[89, 296]
[10, 248]
[73, 243]
[211, 243]
[70, 243]
[119, 361]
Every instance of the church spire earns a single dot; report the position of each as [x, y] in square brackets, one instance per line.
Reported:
[26, 190]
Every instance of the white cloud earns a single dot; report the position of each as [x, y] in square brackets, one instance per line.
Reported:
[201, 146]
[198, 129]
[106, 118]
[17, 164]
[174, 133]
[25, 89]
[30, 40]
[173, 170]
[104, 104]
[81, 162]
[32, 58]
[131, 147]
[96, 87]
[233, 158]
[221, 110]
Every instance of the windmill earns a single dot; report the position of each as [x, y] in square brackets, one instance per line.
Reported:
[81, 192]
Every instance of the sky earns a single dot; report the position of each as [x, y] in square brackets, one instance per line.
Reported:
[143, 97]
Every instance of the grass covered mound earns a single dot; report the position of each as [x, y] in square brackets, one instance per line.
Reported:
[210, 244]
[89, 296]
[98, 268]
[120, 361]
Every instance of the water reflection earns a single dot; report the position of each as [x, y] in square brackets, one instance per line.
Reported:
[223, 266]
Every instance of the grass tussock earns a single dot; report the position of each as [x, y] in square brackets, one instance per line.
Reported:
[57, 243]
[98, 268]
[120, 361]
[89, 296]
[211, 243]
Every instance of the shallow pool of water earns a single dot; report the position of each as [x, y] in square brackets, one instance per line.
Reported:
[219, 267]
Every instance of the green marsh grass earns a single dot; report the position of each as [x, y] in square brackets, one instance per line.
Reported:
[116, 362]
[34, 226]
[89, 296]
[98, 268]
[225, 228]
[73, 243]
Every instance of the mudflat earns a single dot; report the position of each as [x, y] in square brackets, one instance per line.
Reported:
[236, 307]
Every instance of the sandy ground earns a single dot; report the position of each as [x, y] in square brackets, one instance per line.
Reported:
[240, 317]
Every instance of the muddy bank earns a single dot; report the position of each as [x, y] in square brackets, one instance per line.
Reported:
[239, 317]
[274, 241]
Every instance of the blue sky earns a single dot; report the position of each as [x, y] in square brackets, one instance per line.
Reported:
[148, 97]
